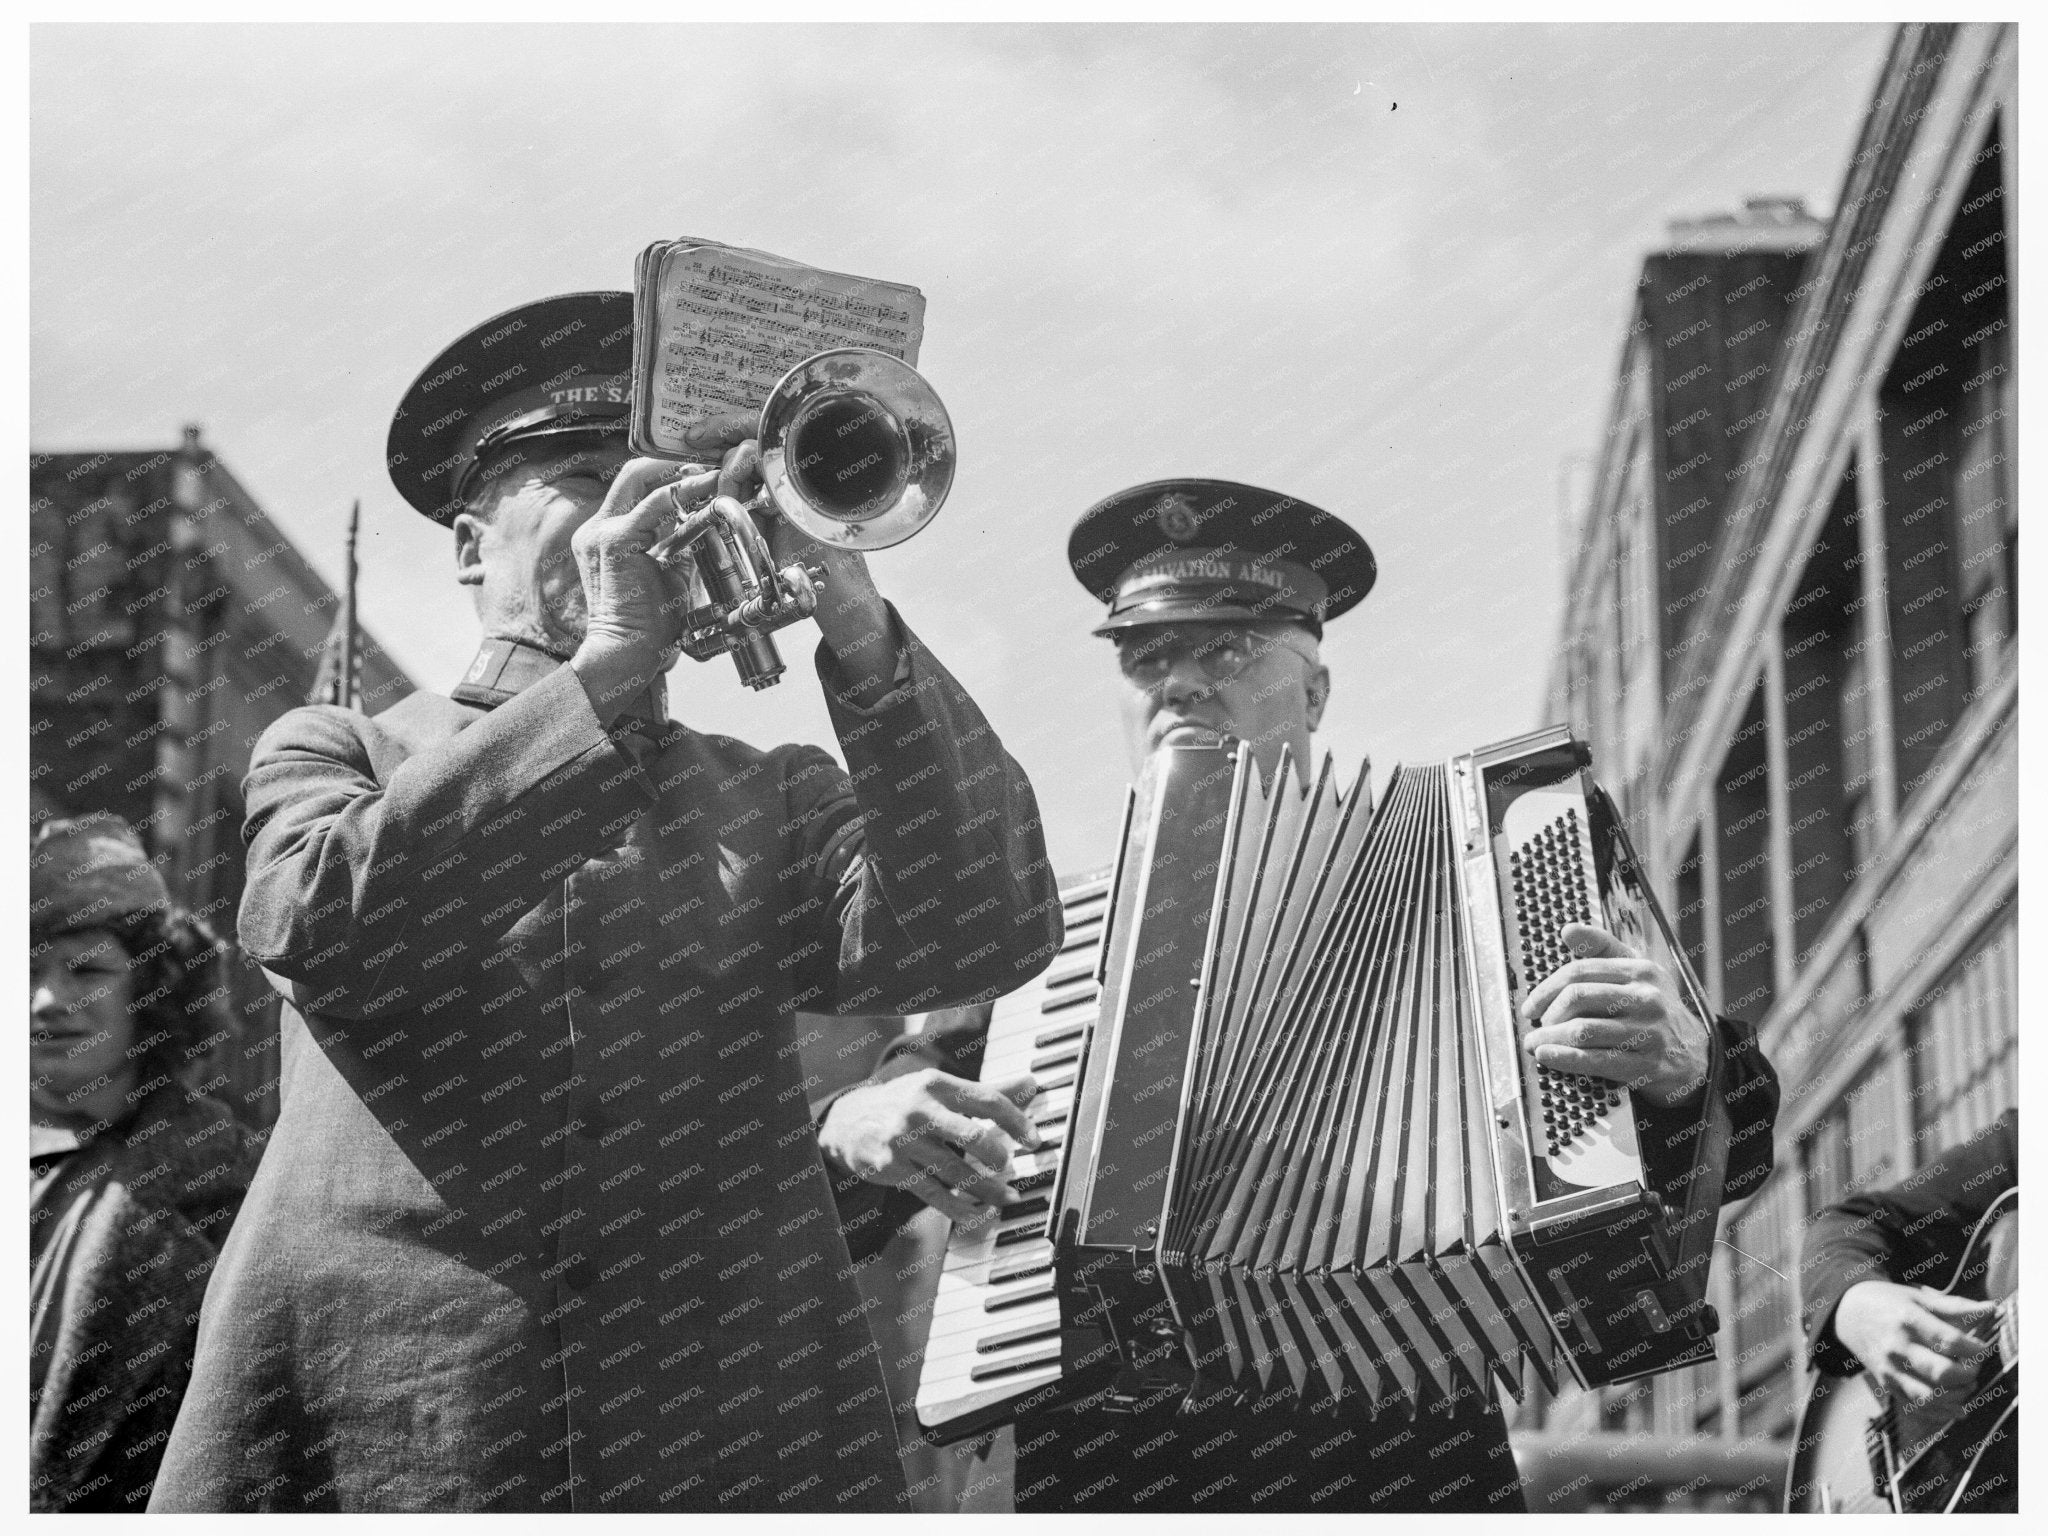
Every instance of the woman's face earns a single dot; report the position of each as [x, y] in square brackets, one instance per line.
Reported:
[80, 1030]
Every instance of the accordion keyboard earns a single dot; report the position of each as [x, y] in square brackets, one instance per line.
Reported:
[995, 1333]
[1588, 1128]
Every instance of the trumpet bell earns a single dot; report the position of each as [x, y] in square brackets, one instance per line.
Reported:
[856, 448]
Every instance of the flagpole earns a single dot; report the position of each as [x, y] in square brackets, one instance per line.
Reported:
[350, 687]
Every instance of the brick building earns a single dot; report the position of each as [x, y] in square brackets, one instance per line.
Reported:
[1791, 641]
[170, 623]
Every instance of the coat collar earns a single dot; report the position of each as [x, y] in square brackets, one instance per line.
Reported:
[503, 669]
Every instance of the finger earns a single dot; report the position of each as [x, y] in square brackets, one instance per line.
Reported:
[1601, 1000]
[740, 474]
[1902, 1383]
[720, 431]
[1020, 1088]
[1596, 1034]
[1959, 1310]
[997, 1101]
[941, 1199]
[963, 1176]
[1950, 1343]
[1932, 1370]
[1614, 969]
[976, 1138]
[638, 478]
[1610, 1066]
[1587, 942]
[656, 512]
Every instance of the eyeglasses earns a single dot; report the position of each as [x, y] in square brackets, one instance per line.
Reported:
[1222, 652]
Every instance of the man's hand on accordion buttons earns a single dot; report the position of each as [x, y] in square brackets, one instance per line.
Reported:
[1612, 1013]
[945, 1139]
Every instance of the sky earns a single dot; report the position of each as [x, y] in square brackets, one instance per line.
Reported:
[1383, 269]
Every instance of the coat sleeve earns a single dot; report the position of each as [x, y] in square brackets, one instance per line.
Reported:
[1913, 1233]
[951, 1040]
[1748, 1085]
[366, 893]
[925, 866]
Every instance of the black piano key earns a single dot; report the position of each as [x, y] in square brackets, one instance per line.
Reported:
[1061, 1004]
[1010, 1299]
[1052, 1059]
[1019, 1269]
[995, 1369]
[1031, 1335]
[1023, 1184]
[1060, 1036]
[1022, 1234]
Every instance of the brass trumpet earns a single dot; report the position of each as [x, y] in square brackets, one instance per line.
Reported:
[856, 450]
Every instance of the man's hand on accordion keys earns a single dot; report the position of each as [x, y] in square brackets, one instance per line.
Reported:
[945, 1139]
[1614, 1014]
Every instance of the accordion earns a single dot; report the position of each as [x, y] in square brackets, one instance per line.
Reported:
[1294, 1144]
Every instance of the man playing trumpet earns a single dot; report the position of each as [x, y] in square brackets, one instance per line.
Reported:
[543, 1224]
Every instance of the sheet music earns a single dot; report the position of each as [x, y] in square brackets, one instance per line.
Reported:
[720, 326]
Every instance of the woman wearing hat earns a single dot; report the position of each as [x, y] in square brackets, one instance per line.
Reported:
[132, 1179]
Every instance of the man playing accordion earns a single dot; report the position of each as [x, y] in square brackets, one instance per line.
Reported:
[1217, 595]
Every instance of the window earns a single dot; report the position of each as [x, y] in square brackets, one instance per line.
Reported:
[1951, 524]
[1962, 1042]
[1766, 1321]
[1828, 741]
[1871, 1114]
[1743, 816]
[1691, 916]
[1824, 1159]
[1860, 746]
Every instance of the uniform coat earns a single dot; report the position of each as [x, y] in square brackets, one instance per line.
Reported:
[543, 1224]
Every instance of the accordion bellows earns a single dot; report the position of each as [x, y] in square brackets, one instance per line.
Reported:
[1306, 1116]
[1297, 1145]
[1300, 1249]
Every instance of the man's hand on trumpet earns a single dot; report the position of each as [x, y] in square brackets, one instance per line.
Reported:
[851, 614]
[633, 605]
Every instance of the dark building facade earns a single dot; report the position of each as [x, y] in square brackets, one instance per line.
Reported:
[1791, 639]
[171, 621]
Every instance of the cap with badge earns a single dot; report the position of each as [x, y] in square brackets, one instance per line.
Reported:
[1180, 551]
[553, 368]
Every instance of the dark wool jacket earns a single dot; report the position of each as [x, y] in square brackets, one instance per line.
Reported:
[122, 1235]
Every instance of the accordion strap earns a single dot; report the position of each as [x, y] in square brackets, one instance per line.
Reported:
[1707, 1176]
